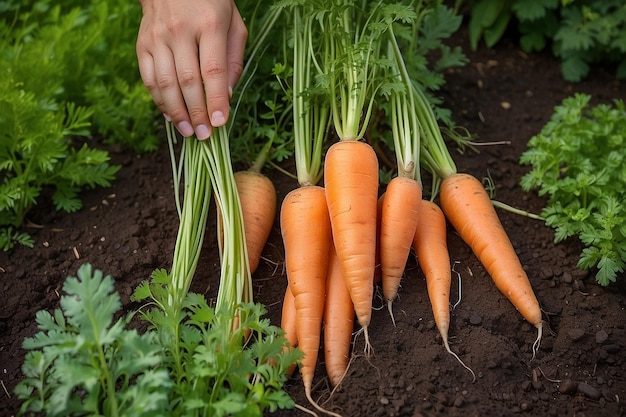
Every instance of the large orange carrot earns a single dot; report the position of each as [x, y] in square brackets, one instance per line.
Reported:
[305, 228]
[338, 322]
[258, 204]
[351, 183]
[431, 249]
[468, 208]
[399, 218]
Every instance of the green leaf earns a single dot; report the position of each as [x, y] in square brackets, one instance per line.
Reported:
[533, 9]
[574, 69]
[493, 33]
[578, 162]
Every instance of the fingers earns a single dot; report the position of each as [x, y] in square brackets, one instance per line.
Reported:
[214, 69]
[190, 59]
[191, 91]
[236, 48]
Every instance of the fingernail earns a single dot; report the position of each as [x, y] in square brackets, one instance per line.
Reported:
[168, 118]
[185, 129]
[217, 118]
[230, 92]
[202, 132]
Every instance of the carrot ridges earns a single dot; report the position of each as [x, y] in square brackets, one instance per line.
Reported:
[307, 245]
[351, 184]
[338, 322]
[468, 208]
[398, 222]
[258, 204]
[432, 256]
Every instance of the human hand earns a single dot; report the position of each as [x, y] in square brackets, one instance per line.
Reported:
[190, 55]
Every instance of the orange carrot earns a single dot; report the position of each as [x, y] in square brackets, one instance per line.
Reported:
[351, 183]
[305, 228]
[433, 258]
[468, 208]
[288, 318]
[288, 323]
[258, 204]
[378, 275]
[338, 322]
[399, 218]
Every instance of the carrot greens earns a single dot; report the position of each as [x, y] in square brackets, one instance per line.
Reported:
[578, 161]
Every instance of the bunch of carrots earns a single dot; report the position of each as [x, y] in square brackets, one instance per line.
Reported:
[337, 226]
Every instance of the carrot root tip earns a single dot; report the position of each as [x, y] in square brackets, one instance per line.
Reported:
[307, 392]
[368, 346]
[537, 341]
[447, 347]
[390, 308]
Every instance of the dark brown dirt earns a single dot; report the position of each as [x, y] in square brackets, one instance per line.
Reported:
[129, 229]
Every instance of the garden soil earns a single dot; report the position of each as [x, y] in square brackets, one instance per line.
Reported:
[129, 229]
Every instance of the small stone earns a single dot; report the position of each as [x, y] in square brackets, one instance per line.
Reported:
[475, 319]
[384, 400]
[568, 386]
[566, 278]
[459, 401]
[588, 391]
[601, 336]
[526, 406]
[576, 334]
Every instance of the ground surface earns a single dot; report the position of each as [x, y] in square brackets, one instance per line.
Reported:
[129, 230]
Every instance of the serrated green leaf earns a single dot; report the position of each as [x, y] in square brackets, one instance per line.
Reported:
[578, 161]
[574, 69]
[533, 9]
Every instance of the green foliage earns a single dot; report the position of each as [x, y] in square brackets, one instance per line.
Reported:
[58, 83]
[35, 151]
[63, 52]
[9, 238]
[260, 102]
[220, 368]
[579, 161]
[580, 32]
[82, 362]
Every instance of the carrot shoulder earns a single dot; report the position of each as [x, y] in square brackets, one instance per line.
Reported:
[468, 208]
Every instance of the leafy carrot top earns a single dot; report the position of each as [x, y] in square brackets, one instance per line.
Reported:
[579, 161]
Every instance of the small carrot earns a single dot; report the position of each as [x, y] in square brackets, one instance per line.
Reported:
[468, 208]
[288, 323]
[378, 275]
[338, 322]
[431, 249]
[288, 318]
[258, 204]
[398, 222]
[306, 233]
[351, 183]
